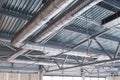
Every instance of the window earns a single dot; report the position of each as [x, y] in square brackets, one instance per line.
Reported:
[47, 78]
[69, 78]
[77, 78]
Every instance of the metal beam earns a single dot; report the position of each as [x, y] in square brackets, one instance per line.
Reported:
[49, 11]
[88, 48]
[106, 52]
[48, 57]
[53, 48]
[107, 7]
[57, 64]
[16, 54]
[44, 68]
[117, 50]
[64, 61]
[85, 40]
[76, 58]
[46, 63]
[7, 45]
[91, 37]
[113, 3]
[87, 64]
[82, 30]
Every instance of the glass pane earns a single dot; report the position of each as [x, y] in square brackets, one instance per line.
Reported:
[47, 78]
[67, 78]
[87, 78]
[94, 79]
[77, 78]
[57, 78]
[101, 78]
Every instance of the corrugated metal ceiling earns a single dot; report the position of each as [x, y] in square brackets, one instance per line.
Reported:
[96, 13]
[11, 25]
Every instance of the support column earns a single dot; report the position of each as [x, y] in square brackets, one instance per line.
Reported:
[40, 73]
[82, 74]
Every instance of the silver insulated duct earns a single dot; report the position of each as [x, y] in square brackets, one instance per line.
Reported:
[41, 19]
[82, 7]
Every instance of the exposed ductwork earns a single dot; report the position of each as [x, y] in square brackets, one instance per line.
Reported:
[41, 19]
[30, 28]
[39, 63]
[52, 48]
[80, 40]
[83, 6]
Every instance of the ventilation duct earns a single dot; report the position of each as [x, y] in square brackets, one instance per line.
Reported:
[67, 18]
[41, 19]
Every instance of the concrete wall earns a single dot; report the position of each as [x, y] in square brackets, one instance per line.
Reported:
[113, 78]
[18, 76]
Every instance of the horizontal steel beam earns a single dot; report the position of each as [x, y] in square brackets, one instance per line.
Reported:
[91, 37]
[83, 30]
[49, 57]
[107, 6]
[54, 48]
[30, 62]
[113, 3]
[87, 64]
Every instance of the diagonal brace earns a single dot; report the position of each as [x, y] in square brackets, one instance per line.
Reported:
[117, 50]
[103, 48]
